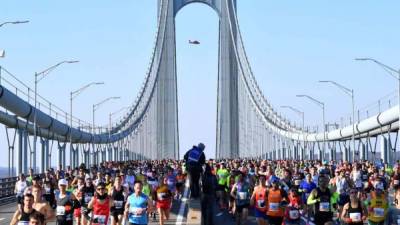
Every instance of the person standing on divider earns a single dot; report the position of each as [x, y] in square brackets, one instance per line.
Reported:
[195, 159]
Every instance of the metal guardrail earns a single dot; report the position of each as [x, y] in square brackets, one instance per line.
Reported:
[7, 186]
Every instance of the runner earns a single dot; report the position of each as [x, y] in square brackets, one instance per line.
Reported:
[241, 193]
[36, 218]
[118, 194]
[320, 198]
[41, 206]
[276, 197]
[163, 198]
[377, 205]
[21, 217]
[259, 201]
[100, 204]
[65, 207]
[354, 212]
[137, 206]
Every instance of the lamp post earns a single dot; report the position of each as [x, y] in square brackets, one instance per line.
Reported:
[349, 92]
[95, 107]
[109, 129]
[73, 95]
[390, 71]
[14, 22]
[2, 52]
[298, 112]
[322, 105]
[38, 77]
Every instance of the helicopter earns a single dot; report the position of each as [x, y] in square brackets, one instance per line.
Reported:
[194, 42]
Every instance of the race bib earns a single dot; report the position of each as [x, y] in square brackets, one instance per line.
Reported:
[379, 212]
[170, 183]
[47, 190]
[242, 195]
[87, 198]
[60, 210]
[297, 182]
[359, 184]
[23, 223]
[396, 182]
[365, 177]
[294, 214]
[355, 217]
[101, 219]
[261, 204]
[324, 206]
[136, 211]
[118, 204]
[274, 207]
[161, 196]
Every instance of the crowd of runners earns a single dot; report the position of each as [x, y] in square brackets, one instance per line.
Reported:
[113, 193]
[276, 192]
[308, 192]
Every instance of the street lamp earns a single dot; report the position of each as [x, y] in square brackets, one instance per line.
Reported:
[390, 71]
[14, 22]
[2, 52]
[74, 94]
[38, 77]
[96, 106]
[112, 114]
[349, 92]
[322, 105]
[301, 113]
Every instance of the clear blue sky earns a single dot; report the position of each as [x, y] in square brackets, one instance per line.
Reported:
[291, 45]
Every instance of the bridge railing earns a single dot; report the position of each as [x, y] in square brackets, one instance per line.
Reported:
[7, 186]
[22, 90]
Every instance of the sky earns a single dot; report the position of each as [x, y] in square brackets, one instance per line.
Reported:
[290, 44]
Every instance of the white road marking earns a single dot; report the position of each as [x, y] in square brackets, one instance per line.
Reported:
[2, 219]
[179, 218]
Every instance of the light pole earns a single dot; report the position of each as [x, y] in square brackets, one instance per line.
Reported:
[14, 22]
[38, 77]
[2, 52]
[349, 92]
[73, 95]
[390, 71]
[298, 112]
[112, 114]
[322, 105]
[95, 107]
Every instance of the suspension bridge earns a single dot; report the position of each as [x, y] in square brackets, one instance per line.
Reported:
[247, 123]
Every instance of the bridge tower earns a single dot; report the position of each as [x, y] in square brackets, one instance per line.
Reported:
[227, 106]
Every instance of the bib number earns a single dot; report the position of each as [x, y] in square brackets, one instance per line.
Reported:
[100, 219]
[136, 212]
[161, 196]
[242, 195]
[355, 217]
[396, 182]
[379, 212]
[118, 204]
[261, 204]
[274, 207]
[294, 214]
[60, 210]
[87, 198]
[324, 206]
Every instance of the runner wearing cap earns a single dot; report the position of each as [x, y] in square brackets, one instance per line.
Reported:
[377, 205]
[65, 209]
